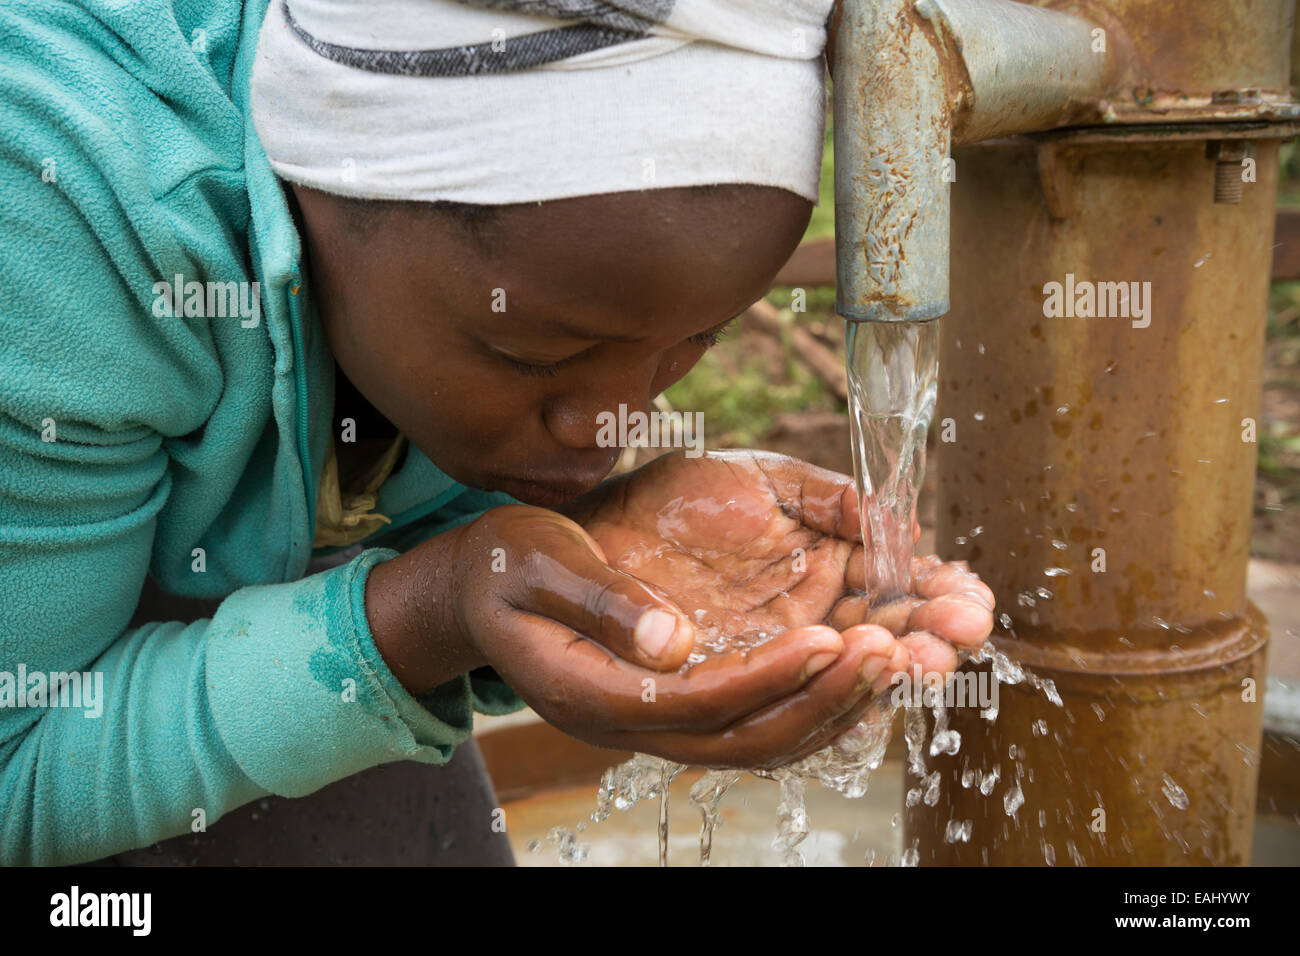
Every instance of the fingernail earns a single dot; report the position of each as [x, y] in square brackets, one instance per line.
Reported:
[654, 632]
[819, 662]
[871, 669]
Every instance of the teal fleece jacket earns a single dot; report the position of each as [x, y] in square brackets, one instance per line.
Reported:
[130, 439]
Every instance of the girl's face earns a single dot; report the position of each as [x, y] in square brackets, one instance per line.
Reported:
[495, 348]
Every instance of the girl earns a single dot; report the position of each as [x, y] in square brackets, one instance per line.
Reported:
[454, 234]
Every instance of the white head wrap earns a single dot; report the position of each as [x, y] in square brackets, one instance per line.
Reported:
[504, 101]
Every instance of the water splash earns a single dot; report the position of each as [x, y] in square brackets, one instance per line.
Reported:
[707, 794]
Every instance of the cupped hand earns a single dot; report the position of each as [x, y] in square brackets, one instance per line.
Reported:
[529, 592]
[751, 544]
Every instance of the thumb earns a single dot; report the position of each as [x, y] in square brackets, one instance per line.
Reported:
[567, 580]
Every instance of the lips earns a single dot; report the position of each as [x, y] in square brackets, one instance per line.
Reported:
[544, 494]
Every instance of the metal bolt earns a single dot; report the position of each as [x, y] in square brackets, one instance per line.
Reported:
[1227, 156]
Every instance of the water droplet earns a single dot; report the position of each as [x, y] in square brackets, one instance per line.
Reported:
[932, 789]
[1048, 687]
[990, 781]
[1013, 799]
[1006, 670]
[1175, 794]
[945, 742]
[957, 831]
[978, 416]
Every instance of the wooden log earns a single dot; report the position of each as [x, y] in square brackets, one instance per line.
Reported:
[823, 362]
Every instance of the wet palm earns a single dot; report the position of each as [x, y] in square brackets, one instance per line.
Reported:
[750, 543]
[747, 545]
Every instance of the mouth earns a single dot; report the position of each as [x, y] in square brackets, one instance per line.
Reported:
[544, 494]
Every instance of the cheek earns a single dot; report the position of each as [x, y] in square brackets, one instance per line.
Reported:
[455, 402]
[440, 398]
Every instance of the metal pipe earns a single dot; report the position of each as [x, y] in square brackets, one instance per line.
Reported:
[908, 75]
[891, 146]
[1018, 67]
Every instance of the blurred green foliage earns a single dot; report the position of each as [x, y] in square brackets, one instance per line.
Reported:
[740, 406]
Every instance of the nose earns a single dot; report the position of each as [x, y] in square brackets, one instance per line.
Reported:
[589, 418]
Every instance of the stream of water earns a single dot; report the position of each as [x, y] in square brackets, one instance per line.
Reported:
[893, 371]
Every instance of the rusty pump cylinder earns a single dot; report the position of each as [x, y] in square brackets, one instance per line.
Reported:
[1096, 451]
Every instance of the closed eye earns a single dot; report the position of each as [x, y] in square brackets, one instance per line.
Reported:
[525, 369]
[713, 336]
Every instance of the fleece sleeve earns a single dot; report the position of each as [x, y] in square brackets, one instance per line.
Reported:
[282, 691]
[487, 692]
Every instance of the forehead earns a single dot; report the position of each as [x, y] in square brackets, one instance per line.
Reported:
[614, 263]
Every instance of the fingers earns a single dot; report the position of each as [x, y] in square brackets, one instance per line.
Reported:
[564, 579]
[799, 723]
[728, 687]
[580, 687]
[960, 605]
[825, 501]
[860, 609]
[931, 578]
[957, 618]
[934, 656]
